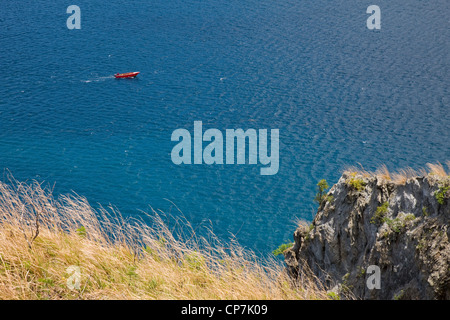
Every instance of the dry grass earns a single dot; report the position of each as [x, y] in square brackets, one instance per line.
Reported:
[401, 176]
[438, 169]
[42, 237]
[383, 173]
[353, 170]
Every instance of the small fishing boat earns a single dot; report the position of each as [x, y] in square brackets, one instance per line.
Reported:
[126, 75]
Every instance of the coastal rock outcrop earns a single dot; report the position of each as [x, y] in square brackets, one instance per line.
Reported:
[369, 226]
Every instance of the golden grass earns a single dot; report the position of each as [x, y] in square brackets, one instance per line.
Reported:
[438, 169]
[42, 238]
[401, 176]
[383, 173]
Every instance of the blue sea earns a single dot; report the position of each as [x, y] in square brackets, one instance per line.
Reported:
[339, 93]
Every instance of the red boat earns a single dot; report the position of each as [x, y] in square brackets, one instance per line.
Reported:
[126, 75]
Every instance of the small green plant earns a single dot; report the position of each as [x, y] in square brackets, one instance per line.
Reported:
[400, 295]
[333, 295]
[282, 248]
[361, 271]
[345, 277]
[380, 213]
[322, 186]
[148, 250]
[131, 272]
[345, 286]
[152, 253]
[152, 284]
[81, 231]
[442, 194]
[47, 281]
[306, 234]
[394, 224]
[398, 224]
[162, 241]
[425, 211]
[409, 217]
[194, 260]
[357, 184]
[421, 244]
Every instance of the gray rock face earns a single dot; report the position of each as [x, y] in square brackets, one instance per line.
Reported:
[402, 229]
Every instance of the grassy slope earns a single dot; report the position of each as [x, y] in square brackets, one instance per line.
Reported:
[41, 237]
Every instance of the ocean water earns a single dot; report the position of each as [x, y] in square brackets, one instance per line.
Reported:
[340, 95]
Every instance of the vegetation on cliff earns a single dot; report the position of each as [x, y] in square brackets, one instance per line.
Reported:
[397, 223]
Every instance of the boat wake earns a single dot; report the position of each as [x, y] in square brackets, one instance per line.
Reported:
[98, 79]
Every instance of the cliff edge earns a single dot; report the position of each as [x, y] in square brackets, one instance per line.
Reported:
[370, 226]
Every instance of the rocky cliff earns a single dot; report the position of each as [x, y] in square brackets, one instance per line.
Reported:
[369, 226]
